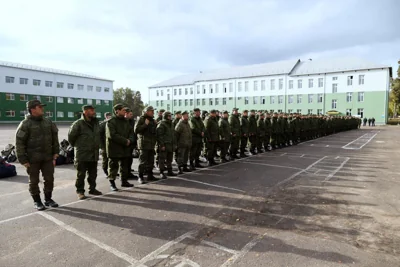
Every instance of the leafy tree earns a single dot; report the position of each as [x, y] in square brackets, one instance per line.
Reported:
[395, 92]
[129, 98]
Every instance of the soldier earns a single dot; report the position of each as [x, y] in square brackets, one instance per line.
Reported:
[212, 128]
[178, 116]
[102, 132]
[274, 131]
[160, 115]
[235, 132]
[166, 144]
[84, 136]
[131, 120]
[244, 131]
[268, 129]
[198, 131]
[260, 132]
[147, 137]
[119, 137]
[365, 121]
[225, 134]
[184, 142]
[37, 149]
[253, 132]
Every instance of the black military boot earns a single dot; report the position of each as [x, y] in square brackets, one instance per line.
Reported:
[186, 169]
[48, 202]
[141, 179]
[192, 166]
[37, 203]
[113, 187]
[243, 155]
[105, 172]
[125, 183]
[132, 176]
[197, 164]
[180, 170]
[162, 175]
[151, 177]
[171, 173]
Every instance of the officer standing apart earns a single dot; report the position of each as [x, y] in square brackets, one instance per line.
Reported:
[244, 131]
[37, 149]
[198, 130]
[84, 136]
[119, 137]
[102, 130]
[146, 130]
[184, 141]
[131, 120]
[166, 144]
[235, 131]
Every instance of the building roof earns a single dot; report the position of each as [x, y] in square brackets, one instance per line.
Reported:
[42, 69]
[265, 69]
[334, 65]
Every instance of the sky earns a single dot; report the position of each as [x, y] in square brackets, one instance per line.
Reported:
[138, 43]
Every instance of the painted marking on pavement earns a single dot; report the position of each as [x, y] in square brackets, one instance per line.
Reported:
[336, 170]
[213, 185]
[272, 165]
[364, 136]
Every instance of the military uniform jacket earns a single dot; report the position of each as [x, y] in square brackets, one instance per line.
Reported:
[176, 122]
[118, 132]
[212, 129]
[274, 125]
[166, 135]
[84, 136]
[268, 126]
[252, 125]
[261, 127]
[244, 126]
[36, 140]
[183, 134]
[102, 132]
[224, 130]
[197, 126]
[235, 125]
[146, 134]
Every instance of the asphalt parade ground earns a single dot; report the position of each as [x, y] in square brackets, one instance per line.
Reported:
[332, 201]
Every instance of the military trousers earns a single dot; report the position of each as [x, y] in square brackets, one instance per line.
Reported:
[235, 140]
[195, 151]
[243, 144]
[274, 139]
[224, 148]
[260, 142]
[253, 142]
[183, 156]
[121, 165]
[104, 161]
[84, 168]
[211, 150]
[165, 159]
[267, 140]
[131, 160]
[146, 161]
[47, 169]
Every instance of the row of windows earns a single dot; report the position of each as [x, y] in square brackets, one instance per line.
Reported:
[35, 82]
[60, 114]
[49, 99]
[259, 100]
[215, 88]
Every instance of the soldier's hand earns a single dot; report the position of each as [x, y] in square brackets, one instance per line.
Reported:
[54, 162]
[147, 121]
[162, 148]
[128, 143]
[202, 134]
[245, 135]
[27, 165]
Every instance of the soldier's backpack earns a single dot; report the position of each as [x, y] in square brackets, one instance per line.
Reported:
[6, 169]
[66, 155]
[9, 153]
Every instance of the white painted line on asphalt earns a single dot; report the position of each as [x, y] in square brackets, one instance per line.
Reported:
[82, 235]
[364, 136]
[336, 170]
[337, 157]
[215, 245]
[18, 217]
[213, 185]
[327, 146]
[15, 193]
[272, 165]
[302, 155]
[369, 140]
[196, 173]
[312, 145]
[283, 154]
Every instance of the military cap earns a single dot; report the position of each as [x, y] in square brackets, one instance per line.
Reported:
[34, 103]
[118, 107]
[162, 110]
[213, 111]
[178, 112]
[185, 112]
[86, 107]
[252, 110]
[225, 112]
[205, 112]
[196, 109]
[149, 108]
[128, 110]
[235, 109]
[244, 111]
[107, 114]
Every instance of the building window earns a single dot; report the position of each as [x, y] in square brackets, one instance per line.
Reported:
[60, 114]
[80, 101]
[198, 89]
[217, 101]
[262, 100]
[70, 114]
[280, 99]
[334, 88]
[191, 102]
[271, 111]
[23, 81]
[239, 98]
[360, 112]
[210, 101]
[186, 102]
[48, 83]
[180, 102]
[10, 79]
[180, 91]
[89, 101]
[319, 111]
[36, 82]
[272, 99]
[186, 91]
[349, 80]
[272, 84]
[298, 111]
[262, 85]
[310, 98]
[246, 86]
[349, 97]
[162, 92]
[246, 100]
[49, 99]
[320, 82]
[290, 111]
[299, 84]
[10, 113]
[60, 99]
[299, 98]
[290, 84]
[230, 87]
[210, 87]
[320, 98]
[310, 112]
[360, 96]
[280, 84]
[175, 102]
[71, 100]
[98, 89]
[37, 97]
[255, 100]
[23, 97]
[61, 85]
[198, 102]
[334, 103]
[191, 90]
[224, 101]
[157, 103]
[279, 110]
[168, 97]
[10, 96]
[106, 89]
[49, 114]
[23, 113]
[162, 103]
[230, 98]
[204, 89]
[216, 88]
[174, 91]
[310, 83]
[361, 79]
[98, 115]
[334, 78]
[90, 88]
[224, 88]
[98, 102]
[239, 86]
[348, 112]
[203, 102]
[290, 99]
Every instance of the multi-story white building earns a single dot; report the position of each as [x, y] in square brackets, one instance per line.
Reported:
[64, 92]
[350, 86]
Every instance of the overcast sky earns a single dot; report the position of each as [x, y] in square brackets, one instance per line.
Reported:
[139, 43]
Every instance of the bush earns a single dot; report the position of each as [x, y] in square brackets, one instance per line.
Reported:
[394, 121]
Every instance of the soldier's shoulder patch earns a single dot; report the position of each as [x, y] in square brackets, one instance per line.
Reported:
[21, 133]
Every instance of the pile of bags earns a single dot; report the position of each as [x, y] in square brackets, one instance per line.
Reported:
[66, 155]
